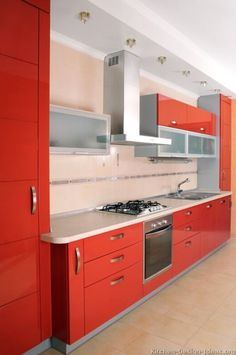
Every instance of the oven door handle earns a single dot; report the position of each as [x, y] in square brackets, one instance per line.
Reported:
[158, 232]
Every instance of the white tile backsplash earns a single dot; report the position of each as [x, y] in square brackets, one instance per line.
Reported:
[121, 162]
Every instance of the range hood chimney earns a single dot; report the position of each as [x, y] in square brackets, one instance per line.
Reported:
[122, 100]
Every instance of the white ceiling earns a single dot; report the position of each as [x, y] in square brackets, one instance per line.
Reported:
[194, 35]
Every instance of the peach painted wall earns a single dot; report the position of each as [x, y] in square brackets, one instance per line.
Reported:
[77, 81]
[233, 167]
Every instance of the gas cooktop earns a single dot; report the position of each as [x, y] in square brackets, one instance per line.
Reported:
[135, 208]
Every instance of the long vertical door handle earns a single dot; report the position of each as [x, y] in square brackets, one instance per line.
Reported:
[78, 259]
[33, 199]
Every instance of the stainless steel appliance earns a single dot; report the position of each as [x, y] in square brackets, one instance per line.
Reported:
[157, 246]
[135, 208]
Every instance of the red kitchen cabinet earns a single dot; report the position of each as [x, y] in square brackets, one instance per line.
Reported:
[107, 265]
[25, 299]
[41, 4]
[19, 90]
[20, 141]
[209, 232]
[186, 253]
[16, 206]
[106, 243]
[171, 113]
[185, 231]
[18, 262]
[68, 291]
[186, 215]
[225, 143]
[157, 281]
[222, 217]
[201, 121]
[19, 30]
[113, 295]
[20, 325]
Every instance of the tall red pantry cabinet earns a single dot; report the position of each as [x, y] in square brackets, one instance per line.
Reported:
[25, 305]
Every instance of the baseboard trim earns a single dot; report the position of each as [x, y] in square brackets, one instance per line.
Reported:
[38, 349]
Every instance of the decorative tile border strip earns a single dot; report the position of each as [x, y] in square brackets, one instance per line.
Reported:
[115, 178]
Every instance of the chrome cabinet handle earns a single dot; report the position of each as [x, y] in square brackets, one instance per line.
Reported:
[117, 281]
[188, 244]
[188, 213]
[118, 236]
[33, 199]
[117, 259]
[202, 129]
[78, 260]
[208, 206]
[173, 122]
[189, 228]
[222, 201]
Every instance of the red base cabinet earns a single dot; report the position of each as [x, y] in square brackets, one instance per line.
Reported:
[68, 291]
[113, 295]
[225, 143]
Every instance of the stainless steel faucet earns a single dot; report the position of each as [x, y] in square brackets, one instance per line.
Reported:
[181, 183]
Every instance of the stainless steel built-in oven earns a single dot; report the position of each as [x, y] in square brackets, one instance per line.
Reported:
[157, 246]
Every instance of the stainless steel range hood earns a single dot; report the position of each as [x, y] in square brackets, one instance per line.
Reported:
[122, 100]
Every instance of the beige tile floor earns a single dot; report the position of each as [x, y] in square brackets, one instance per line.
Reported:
[197, 312]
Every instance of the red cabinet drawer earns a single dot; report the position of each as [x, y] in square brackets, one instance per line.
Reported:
[19, 30]
[19, 274]
[185, 216]
[19, 89]
[20, 325]
[101, 268]
[156, 282]
[18, 150]
[106, 243]
[186, 231]
[17, 208]
[186, 253]
[106, 298]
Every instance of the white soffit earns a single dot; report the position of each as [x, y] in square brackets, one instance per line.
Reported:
[148, 22]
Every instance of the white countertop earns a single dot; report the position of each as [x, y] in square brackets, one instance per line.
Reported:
[72, 227]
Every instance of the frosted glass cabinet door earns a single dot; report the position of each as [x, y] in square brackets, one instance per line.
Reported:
[209, 146]
[178, 143]
[75, 131]
[194, 145]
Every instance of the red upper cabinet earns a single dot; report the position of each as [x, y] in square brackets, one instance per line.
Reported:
[225, 143]
[19, 30]
[201, 121]
[171, 113]
[41, 4]
[176, 114]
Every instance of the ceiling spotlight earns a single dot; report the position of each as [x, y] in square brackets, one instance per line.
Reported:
[84, 16]
[186, 72]
[161, 59]
[130, 42]
[217, 91]
[203, 83]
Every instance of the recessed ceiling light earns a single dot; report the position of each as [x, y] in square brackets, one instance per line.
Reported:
[130, 42]
[203, 83]
[162, 59]
[84, 16]
[186, 72]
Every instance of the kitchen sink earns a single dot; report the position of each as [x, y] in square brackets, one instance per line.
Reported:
[191, 195]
